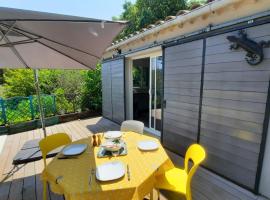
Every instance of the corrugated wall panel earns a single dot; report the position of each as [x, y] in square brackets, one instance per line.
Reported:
[118, 104]
[233, 106]
[106, 90]
[113, 100]
[182, 78]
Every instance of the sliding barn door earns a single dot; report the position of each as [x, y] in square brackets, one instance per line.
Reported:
[182, 80]
[233, 107]
[106, 90]
[113, 96]
[118, 100]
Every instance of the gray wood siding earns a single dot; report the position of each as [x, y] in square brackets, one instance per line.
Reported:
[182, 78]
[106, 90]
[233, 106]
[113, 90]
[118, 105]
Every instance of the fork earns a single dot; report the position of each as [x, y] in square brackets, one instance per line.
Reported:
[91, 176]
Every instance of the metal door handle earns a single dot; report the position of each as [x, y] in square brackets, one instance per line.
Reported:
[164, 103]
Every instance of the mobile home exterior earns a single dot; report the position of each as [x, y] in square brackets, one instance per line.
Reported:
[207, 82]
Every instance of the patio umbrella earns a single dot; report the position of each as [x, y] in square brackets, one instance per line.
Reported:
[38, 40]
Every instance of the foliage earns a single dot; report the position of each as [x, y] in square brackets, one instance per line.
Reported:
[68, 91]
[62, 104]
[19, 82]
[74, 89]
[145, 12]
[91, 92]
[191, 4]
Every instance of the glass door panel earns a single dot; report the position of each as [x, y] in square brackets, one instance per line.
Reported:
[155, 93]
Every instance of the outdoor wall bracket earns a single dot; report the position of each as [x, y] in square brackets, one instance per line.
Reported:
[254, 49]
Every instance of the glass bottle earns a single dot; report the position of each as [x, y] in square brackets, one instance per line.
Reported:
[99, 140]
[94, 141]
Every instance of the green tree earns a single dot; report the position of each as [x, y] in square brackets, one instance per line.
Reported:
[71, 82]
[191, 4]
[145, 12]
[19, 82]
[92, 95]
[150, 11]
[67, 85]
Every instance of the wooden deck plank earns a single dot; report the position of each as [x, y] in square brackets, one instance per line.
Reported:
[29, 181]
[39, 166]
[77, 130]
[69, 131]
[16, 189]
[5, 186]
[25, 183]
[60, 129]
[75, 134]
[80, 129]
[16, 178]
[17, 175]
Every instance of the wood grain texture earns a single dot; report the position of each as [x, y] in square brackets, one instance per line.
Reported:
[26, 184]
[233, 102]
[118, 104]
[233, 108]
[182, 76]
[113, 90]
[106, 90]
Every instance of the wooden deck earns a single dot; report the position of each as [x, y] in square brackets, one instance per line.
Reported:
[24, 182]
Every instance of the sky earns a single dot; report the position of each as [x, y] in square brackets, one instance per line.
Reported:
[100, 9]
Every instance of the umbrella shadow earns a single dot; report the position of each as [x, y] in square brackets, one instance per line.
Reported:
[103, 125]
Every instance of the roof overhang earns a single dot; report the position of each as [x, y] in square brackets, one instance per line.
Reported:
[211, 14]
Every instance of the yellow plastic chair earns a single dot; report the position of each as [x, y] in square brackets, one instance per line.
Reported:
[179, 180]
[48, 144]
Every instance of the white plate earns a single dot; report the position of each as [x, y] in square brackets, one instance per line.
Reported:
[147, 145]
[110, 171]
[112, 134]
[74, 149]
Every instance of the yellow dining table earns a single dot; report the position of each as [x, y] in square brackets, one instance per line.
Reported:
[70, 177]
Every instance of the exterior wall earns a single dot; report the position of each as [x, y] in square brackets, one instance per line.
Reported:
[113, 90]
[118, 104]
[106, 90]
[182, 80]
[224, 111]
[233, 108]
[233, 104]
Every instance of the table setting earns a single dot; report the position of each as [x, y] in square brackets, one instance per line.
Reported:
[121, 165]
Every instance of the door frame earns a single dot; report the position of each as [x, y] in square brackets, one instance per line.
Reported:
[156, 132]
[148, 53]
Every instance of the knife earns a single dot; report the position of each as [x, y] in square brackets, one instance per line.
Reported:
[66, 157]
[128, 173]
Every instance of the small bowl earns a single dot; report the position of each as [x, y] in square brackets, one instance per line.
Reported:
[111, 146]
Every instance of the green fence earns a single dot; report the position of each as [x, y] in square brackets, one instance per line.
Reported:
[20, 109]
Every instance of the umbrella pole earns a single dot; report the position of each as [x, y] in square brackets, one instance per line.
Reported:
[42, 120]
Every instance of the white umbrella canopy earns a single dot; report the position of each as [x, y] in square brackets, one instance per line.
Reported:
[38, 40]
[44, 40]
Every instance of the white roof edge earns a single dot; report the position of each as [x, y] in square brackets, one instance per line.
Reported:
[210, 7]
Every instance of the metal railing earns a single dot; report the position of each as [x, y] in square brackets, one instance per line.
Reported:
[20, 109]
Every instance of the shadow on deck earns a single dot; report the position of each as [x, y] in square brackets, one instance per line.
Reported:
[23, 182]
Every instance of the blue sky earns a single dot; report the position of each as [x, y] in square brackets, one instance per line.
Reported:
[101, 9]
